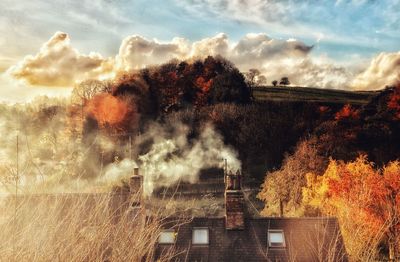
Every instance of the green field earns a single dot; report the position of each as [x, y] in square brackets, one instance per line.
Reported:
[294, 94]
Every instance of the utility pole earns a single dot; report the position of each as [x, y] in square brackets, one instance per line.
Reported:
[17, 171]
[16, 177]
[102, 160]
[225, 168]
[130, 146]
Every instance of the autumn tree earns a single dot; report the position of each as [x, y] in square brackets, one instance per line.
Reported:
[182, 84]
[393, 103]
[369, 196]
[229, 87]
[134, 86]
[282, 189]
[347, 113]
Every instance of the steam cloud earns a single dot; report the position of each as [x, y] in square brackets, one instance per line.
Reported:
[53, 161]
[173, 158]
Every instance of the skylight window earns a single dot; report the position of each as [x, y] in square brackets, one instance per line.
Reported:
[200, 236]
[167, 237]
[276, 238]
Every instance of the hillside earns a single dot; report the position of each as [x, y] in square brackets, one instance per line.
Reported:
[312, 94]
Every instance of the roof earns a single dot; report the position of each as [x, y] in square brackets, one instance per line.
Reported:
[307, 239]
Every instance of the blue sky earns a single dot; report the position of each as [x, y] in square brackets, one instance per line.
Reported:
[363, 27]
[341, 30]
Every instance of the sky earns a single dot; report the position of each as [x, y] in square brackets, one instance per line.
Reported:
[46, 47]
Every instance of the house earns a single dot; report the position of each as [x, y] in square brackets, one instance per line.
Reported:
[234, 236]
[239, 237]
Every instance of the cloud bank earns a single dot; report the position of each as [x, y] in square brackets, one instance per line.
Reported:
[383, 70]
[58, 64]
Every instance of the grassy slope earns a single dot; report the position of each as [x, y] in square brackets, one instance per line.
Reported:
[270, 93]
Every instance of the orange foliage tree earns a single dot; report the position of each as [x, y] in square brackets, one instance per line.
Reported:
[347, 112]
[394, 102]
[282, 189]
[111, 112]
[363, 198]
[204, 87]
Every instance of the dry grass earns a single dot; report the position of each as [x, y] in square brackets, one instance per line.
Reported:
[327, 244]
[362, 244]
[71, 227]
[323, 242]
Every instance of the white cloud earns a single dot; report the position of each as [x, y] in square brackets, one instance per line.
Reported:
[58, 64]
[20, 92]
[137, 52]
[279, 17]
[341, 22]
[254, 11]
[273, 57]
[256, 50]
[217, 45]
[316, 74]
[6, 62]
[383, 70]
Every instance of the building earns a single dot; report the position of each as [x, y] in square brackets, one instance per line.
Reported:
[233, 236]
[239, 237]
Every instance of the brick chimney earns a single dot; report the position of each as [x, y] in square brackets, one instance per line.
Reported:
[136, 210]
[234, 202]
[136, 188]
[127, 199]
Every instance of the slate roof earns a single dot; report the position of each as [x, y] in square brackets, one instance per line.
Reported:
[307, 239]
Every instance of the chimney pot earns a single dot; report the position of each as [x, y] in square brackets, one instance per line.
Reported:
[234, 202]
[234, 181]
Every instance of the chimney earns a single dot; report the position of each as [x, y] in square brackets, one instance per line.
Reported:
[136, 188]
[234, 202]
[127, 199]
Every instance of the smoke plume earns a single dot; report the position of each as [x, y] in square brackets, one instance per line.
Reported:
[173, 158]
[53, 159]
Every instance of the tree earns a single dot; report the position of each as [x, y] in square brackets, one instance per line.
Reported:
[282, 189]
[347, 113]
[370, 196]
[393, 103]
[133, 85]
[251, 77]
[284, 81]
[254, 78]
[87, 89]
[229, 87]
[261, 80]
[274, 83]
